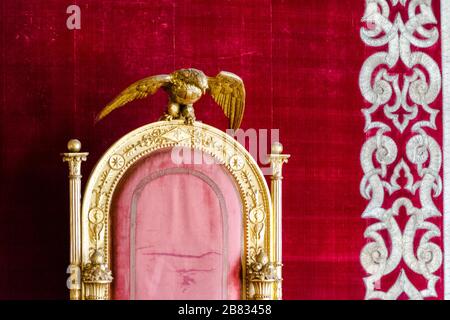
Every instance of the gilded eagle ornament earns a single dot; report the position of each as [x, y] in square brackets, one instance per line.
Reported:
[185, 87]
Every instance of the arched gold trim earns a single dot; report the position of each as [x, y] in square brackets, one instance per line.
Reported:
[253, 190]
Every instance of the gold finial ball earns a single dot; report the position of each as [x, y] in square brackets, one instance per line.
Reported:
[277, 148]
[74, 145]
[97, 257]
[262, 258]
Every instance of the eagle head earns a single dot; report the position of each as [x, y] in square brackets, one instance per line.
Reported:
[193, 77]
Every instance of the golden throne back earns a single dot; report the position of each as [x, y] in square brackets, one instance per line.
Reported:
[92, 273]
[108, 232]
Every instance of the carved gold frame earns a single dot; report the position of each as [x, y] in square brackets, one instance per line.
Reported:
[90, 230]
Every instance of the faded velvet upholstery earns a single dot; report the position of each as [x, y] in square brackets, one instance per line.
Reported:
[176, 231]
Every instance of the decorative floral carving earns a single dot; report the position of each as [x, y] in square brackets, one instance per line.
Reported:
[262, 274]
[96, 270]
[96, 277]
[261, 268]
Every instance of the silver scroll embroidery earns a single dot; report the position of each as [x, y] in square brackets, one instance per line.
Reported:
[397, 100]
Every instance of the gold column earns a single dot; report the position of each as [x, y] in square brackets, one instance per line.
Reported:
[74, 158]
[277, 159]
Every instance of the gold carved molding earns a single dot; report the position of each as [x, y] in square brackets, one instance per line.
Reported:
[255, 196]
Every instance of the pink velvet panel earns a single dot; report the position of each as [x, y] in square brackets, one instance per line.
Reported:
[176, 231]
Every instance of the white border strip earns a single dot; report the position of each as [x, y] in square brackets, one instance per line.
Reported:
[445, 32]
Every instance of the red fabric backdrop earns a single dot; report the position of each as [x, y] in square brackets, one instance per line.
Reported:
[300, 61]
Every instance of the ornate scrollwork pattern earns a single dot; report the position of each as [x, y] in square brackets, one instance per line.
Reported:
[401, 105]
[136, 145]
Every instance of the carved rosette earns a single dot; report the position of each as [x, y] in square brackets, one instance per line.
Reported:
[401, 148]
[140, 143]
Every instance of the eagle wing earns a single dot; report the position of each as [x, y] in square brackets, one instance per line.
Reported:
[228, 90]
[138, 90]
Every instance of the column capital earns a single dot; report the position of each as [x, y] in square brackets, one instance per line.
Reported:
[277, 159]
[74, 158]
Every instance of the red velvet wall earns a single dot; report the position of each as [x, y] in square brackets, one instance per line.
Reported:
[300, 62]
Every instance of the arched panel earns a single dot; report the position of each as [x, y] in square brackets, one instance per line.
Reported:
[176, 231]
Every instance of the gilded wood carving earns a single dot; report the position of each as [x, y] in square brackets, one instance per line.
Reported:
[185, 87]
[257, 209]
